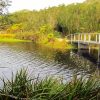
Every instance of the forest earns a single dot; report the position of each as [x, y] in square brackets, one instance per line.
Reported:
[61, 20]
[39, 62]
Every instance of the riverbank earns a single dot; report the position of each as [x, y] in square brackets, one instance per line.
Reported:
[48, 41]
[22, 87]
[11, 40]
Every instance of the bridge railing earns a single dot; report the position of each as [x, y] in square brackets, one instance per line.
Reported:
[84, 37]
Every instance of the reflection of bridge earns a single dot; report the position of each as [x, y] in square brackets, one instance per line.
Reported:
[85, 38]
[85, 41]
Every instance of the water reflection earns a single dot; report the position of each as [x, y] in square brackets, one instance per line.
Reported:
[90, 52]
[42, 61]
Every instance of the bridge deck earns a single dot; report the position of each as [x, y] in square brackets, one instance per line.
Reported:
[85, 42]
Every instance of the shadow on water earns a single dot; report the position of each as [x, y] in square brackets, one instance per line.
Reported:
[43, 61]
[91, 53]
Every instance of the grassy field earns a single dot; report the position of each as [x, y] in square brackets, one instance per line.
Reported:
[13, 40]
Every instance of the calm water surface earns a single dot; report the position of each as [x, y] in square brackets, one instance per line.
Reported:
[42, 61]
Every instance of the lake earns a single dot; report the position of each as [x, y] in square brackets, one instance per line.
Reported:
[42, 62]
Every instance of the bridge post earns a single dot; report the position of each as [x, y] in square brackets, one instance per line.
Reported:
[89, 38]
[78, 43]
[99, 38]
[81, 37]
[84, 37]
[96, 37]
[98, 61]
[74, 37]
[71, 38]
[78, 40]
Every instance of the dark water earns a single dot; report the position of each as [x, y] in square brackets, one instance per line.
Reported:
[42, 61]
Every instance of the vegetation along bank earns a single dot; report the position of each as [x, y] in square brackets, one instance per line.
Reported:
[47, 25]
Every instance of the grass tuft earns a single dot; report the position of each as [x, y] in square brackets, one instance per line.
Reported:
[22, 87]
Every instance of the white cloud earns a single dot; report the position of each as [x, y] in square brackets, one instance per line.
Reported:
[37, 4]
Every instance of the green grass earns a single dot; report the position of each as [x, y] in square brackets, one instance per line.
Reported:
[13, 40]
[22, 87]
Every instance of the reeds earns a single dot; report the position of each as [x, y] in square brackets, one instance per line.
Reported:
[22, 87]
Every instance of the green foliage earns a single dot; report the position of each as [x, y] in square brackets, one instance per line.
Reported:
[50, 36]
[45, 29]
[74, 18]
[21, 86]
[15, 28]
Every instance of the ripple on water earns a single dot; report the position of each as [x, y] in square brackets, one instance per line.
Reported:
[16, 56]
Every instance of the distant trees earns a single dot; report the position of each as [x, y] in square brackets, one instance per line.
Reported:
[15, 28]
[92, 1]
[3, 13]
[74, 18]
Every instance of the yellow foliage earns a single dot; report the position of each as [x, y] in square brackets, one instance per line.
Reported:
[59, 44]
[54, 43]
[7, 35]
[15, 28]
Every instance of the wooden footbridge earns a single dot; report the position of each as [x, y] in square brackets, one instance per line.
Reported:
[86, 41]
[84, 38]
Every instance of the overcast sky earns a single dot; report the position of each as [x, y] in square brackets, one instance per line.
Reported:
[37, 4]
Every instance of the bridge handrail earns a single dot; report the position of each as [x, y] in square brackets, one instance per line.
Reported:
[83, 37]
[83, 33]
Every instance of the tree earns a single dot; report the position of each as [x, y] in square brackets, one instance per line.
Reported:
[74, 18]
[3, 6]
[3, 13]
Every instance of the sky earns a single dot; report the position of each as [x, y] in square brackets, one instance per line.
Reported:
[38, 4]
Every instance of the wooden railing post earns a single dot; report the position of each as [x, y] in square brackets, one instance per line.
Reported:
[78, 41]
[78, 37]
[89, 38]
[84, 37]
[74, 37]
[99, 38]
[71, 38]
[81, 37]
[96, 38]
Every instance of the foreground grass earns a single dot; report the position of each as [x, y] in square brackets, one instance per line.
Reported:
[12, 40]
[22, 87]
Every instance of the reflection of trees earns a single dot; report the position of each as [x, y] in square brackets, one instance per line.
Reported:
[74, 61]
[62, 57]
